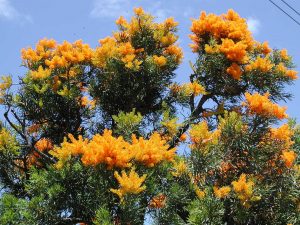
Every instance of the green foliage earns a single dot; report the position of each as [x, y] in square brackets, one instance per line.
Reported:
[128, 123]
[208, 210]
[91, 134]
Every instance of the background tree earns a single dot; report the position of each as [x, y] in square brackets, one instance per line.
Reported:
[91, 134]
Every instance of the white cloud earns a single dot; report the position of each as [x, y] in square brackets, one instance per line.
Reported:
[7, 11]
[116, 8]
[110, 8]
[253, 25]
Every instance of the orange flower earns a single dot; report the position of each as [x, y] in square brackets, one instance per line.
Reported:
[243, 189]
[262, 64]
[44, 144]
[151, 152]
[292, 74]
[183, 137]
[129, 184]
[170, 23]
[160, 60]
[108, 150]
[222, 192]
[283, 134]
[230, 29]
[284, 54]
[265, 48]
[174, 51]
[121, 21]
[261, 105]
[289, 158]
[158, 201]
[235, 71]
[138, 11]
[234, 51]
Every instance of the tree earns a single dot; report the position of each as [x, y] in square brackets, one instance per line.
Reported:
[90, 135]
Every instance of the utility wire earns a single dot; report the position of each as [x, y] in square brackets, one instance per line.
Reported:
[291, 7]
[284, 12]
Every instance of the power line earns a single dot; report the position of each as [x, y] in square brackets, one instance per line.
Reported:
[284, 12]
[291, 7]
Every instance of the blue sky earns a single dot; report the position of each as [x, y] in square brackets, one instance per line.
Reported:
[23, 23]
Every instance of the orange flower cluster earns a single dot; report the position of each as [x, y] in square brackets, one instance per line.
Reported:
[115, 152]
[235, 52]
[4, 85]
[221, 192]
[57, 55]
[113, 47]
[243, 189]
[108, 150]
[160, 61]
[284, 54]
[289, 158]
[263, 48]
[291, 74]
[174, 51]
[235, 71]
[201, 136]
[40, 74]
[180, 168]
[68, 149]
[43, 50]
[200, 193]
[261, 104]
[44, 144]
[231, 37]
[194, 88]
[283, 135]
[262, 64]
[129, 184]
[151, 152]
[229, 25]
[230, 32]
[158, 201]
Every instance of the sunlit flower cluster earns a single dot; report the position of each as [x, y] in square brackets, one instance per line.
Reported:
[283, 135]
[4, 85]
[180, 168]
[7, 142]
[40, 74]
[55, 55]
[200, 193]
[201, 136]
[289, 158]
[193, 88]
[44, 144]
[229, 25]
[121, 45]
[262, 105]
[243, 189]
[221, 192]
[129, 184]
[235, 71]
[262, 64]
[230, 35]
[115, 152]
[152, 151]
[284, 54]
[158, 201]
[160, 61]
[291, 74]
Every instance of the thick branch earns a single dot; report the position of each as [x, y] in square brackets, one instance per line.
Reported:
[14, 126]
[186, 124]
